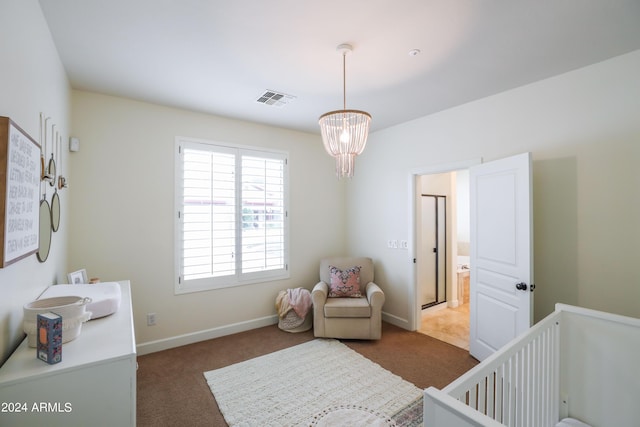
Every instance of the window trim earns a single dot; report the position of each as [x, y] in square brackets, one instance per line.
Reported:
[239, 278]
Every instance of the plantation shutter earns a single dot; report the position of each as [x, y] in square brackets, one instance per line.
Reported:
[262, 214]
[232, 216]
[209, 216]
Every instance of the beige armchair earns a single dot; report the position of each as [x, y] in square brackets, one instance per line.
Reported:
[347, 317]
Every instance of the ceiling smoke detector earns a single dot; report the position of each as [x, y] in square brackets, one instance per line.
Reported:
[275, 99]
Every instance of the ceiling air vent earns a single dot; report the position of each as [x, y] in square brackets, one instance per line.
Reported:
[275, 99]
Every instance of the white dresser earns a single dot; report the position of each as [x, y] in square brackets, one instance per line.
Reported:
[93, 385]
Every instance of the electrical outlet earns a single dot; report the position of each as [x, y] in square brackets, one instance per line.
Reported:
[151, 319]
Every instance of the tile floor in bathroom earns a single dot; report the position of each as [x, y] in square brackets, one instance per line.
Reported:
[450, 325]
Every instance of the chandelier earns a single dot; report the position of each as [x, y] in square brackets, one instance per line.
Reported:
[344, 132]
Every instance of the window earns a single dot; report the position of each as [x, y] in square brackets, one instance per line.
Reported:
[231, 219]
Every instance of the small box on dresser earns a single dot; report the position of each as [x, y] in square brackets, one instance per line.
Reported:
[49, 337]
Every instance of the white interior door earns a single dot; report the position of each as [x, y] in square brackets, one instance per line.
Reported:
[501, 255]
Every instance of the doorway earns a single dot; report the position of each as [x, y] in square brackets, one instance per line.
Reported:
[500, 204]
[442, 255]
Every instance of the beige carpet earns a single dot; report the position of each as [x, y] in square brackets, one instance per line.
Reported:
[321, 382]
[171, 390]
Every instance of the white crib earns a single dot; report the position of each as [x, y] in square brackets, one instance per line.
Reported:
[576, 363]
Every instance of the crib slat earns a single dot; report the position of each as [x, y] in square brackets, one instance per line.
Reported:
[548, 375]
[473, 397]
[522, 405]
[499, 393]
[482, 396]
[537, 378]
[537, 372]
[490, 395]
[513, 387]
[531, 383]
[555, 371]
[542, 360]
[525, 392]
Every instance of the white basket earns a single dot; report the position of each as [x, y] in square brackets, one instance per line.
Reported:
[72, 309]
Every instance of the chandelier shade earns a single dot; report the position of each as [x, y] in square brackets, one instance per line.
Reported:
[344, 132]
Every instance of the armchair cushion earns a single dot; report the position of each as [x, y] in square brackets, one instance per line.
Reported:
[344, 283]
[347, 307]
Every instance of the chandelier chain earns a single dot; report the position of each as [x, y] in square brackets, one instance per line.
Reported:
[344, 80]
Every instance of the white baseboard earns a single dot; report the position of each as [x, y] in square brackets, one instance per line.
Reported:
[397, 321]
[221, 331]
[180, 340]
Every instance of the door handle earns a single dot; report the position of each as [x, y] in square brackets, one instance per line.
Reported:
[521, 286]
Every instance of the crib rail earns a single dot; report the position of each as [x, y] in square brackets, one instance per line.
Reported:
[517, 386]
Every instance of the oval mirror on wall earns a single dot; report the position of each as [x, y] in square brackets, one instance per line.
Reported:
[55, 212]
[45, 231]
[52, 171]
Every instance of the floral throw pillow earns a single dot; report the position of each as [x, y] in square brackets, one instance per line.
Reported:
[344, 283]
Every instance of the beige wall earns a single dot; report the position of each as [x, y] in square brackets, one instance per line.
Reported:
[32, 80]
[583, 130]
[123, 211]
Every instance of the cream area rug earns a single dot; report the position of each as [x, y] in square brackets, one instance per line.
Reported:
[319, 383]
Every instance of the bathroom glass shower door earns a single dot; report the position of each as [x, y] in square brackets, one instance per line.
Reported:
[433, 250]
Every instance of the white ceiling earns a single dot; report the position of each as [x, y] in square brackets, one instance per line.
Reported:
[219, 56]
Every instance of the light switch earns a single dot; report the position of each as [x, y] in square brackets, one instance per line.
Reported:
[74, 144]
